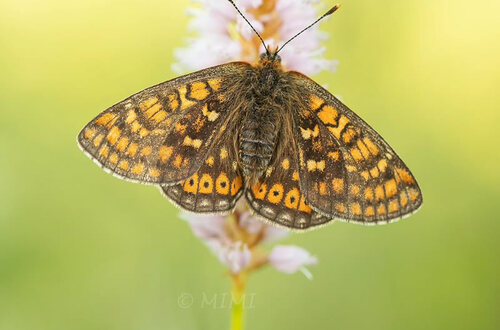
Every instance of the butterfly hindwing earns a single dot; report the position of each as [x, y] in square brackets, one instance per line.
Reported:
[215, 187]
[347, 170]
[278, 198]
[162, 134]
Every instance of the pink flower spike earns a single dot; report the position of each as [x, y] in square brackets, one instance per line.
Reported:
[207, 227]
[273, 234]
[250, 223]
[289, 259]
[236, 256]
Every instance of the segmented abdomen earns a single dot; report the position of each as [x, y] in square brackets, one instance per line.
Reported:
[257, 141]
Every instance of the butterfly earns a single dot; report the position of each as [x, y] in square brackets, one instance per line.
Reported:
[297, 154]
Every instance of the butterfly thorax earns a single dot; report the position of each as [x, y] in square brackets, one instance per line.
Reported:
[261, 123]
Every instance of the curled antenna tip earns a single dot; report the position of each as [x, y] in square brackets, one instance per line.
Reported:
[333, 9]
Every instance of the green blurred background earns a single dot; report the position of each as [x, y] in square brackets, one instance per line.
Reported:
[80, 249]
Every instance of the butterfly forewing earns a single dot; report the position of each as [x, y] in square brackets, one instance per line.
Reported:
[347, 170]
[163, 134]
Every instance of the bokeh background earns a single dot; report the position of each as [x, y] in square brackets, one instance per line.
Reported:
[80, 249]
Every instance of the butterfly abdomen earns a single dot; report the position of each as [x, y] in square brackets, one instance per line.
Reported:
[257, 140]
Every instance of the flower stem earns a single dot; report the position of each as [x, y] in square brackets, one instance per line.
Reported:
[238, 300]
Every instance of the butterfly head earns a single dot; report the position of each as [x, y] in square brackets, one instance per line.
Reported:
[270, 57]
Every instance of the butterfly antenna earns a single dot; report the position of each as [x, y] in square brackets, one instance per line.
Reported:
[328, 13]
[257, 33]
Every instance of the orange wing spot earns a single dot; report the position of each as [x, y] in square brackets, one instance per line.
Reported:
[338, 185]
[223, 153]
[259, 190]
[215, 84]
[369, 194]
[374, 172]
[405, 175]
[89, 133]
[148, 103]
[328, 115]
[313, 165]
[379, 193]
[131, 117]
[390, 188]
[285, 164]
[113, 159]
[369, 211]
[199, 91]
[152, 111]
[98, 140]
[236, 185]
[177, 161]
[382, 165]
[413, 194]
[210, 161]
[135, 126]
[303, 207]
[295, 176]
[292, 199]
[181, 129]
[206, 185]
[124, 165]
[137, 169]
[322, 188]
[191, 184]
[104, 151]
[122, 144]
[154, 173]
[371, 146]
[381, 209]
[185, 162]
[211, 115]
[356, 154]
[114, 135]
[146, 151]
[165, 153]
[275, 193]
[403, 198]
[158, 131]
[173, 102]
[315, 102]
[334, 155]
[159, 116]
[196, 143]
[393, 206]
[308, 133]
[112, 122]
[132, 149]
[199, 123]
[349, 134]
[337, 130]
[364, 149]
[351, 168]
[365, 175]
[144, 132]
[356, 209]
[222, 184]
[104, 119]
[185, 103]
[355, 190]
[341, 207]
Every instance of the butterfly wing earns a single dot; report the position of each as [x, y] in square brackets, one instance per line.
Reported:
[347, 170]
[164, 133]
[215, 187]
[277, 196]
